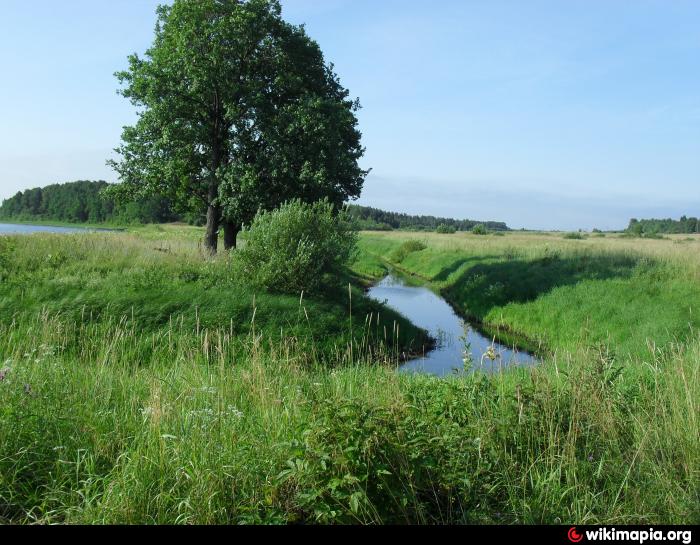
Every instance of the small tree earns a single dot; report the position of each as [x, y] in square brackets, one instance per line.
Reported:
[290, 249]
[480, 229]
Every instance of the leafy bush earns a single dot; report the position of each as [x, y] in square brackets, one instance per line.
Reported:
[654, 236]
[480, 229]
[290, 249]
[408, 247]
[573, 236]
[444, 229]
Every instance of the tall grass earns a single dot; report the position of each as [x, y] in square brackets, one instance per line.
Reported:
[119, 417]
[102, 423]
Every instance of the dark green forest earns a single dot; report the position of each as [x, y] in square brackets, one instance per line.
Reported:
[87, 202]
[375, 219]
[685, 225]
[83, 202]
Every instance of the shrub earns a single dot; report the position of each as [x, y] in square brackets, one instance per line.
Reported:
[290, 249]
[444, 229]
[573, 236]
[655, 236]
[408, 247]
[480, 229]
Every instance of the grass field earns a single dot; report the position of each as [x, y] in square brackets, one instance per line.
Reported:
[140, 383]
[560, 293]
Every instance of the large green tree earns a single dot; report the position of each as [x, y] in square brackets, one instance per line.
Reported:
[238, 111]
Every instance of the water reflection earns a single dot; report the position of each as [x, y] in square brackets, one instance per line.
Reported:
[460, 347]
[19, 229]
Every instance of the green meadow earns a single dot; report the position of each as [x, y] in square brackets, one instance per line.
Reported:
[142, 382]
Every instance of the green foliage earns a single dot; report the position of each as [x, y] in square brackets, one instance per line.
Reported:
[134, 389]
[396, 220]
[406, 248]
[248, 115]
[480, 229]
[84, 202]
[444, 229]
[290, 249]
[573, 236]
[156, 279]
[219, 429]
[651, 227]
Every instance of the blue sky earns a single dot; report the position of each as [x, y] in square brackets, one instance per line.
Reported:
[552, 115]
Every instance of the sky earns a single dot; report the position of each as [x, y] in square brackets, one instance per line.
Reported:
[545, 114]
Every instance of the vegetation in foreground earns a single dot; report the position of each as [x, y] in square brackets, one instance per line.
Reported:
[109, 416]
[214, 429]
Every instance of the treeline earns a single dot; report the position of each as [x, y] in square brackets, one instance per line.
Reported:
[685, 225]
[87, 202]
[375, 219]
[83, 202]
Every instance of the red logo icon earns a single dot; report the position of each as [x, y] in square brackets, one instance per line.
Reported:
[574, 536]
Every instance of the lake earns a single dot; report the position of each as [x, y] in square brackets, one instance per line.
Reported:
[20, 229]
[456, 338]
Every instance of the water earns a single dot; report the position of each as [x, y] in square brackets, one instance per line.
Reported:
[455, 337]
[17, 229]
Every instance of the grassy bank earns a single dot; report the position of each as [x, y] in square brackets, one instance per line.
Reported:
[157, 276]
[560, 293]
[212, 428]
[136, 387]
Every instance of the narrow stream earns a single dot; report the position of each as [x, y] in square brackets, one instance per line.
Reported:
[457, 340]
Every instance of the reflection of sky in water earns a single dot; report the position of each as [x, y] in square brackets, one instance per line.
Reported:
[12, 229]
[430, 312]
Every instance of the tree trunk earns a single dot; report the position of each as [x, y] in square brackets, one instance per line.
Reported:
[211, 238]
[231, 231]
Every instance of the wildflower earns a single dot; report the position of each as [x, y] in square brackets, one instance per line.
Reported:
[491, 353]
[234, 412]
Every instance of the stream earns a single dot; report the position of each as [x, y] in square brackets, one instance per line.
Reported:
[457, 340]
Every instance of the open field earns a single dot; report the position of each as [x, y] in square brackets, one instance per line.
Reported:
[141, 385]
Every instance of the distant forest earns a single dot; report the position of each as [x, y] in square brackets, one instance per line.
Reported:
[83, 202]
[668, 226]
[375, 219]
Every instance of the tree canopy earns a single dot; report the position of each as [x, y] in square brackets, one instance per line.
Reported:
[685, 225]
[238, 111]
[373, 218]
[83, 202]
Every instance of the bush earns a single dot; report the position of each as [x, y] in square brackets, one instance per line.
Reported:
[290, 249]
[408, 247]
[480, 229]
[573, 236]
[443, 229]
